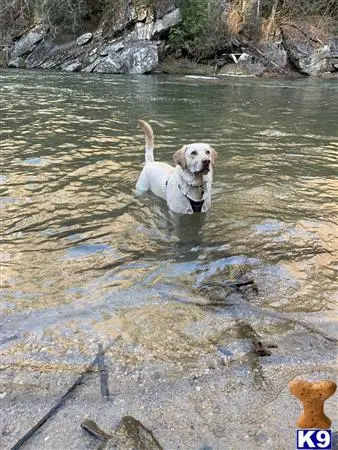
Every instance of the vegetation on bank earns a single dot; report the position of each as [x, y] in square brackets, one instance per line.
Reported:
[210, 26]
[207, 28]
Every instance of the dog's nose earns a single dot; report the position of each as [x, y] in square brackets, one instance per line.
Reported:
[206, 162]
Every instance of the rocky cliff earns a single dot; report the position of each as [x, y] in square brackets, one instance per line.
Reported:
[138, 43]
[131, 46]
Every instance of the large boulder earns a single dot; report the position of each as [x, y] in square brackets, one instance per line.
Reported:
[317, 63]
[111, 64]
[140, 58]
[136, 57]
[28, 42]
[40, 54]
[113, 47]
[307, 54]
[276, 53]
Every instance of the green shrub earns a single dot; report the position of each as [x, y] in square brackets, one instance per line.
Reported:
[203, 32]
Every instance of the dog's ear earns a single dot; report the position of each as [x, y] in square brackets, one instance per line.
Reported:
[179, 157]
[213, 155]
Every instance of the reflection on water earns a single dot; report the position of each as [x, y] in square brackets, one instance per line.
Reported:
[83, 259]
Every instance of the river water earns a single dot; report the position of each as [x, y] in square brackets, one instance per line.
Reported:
[84, 260]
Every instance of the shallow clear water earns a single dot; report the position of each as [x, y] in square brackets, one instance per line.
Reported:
[84, 260]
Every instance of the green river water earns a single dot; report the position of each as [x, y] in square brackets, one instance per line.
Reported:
[84, 260]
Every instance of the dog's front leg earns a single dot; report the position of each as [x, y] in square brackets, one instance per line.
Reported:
[206, 205]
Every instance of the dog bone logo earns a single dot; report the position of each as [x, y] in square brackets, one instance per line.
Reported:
[313, 395]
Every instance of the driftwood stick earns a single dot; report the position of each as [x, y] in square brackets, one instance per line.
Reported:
[92, 428]
[103, 373]
[61, 401]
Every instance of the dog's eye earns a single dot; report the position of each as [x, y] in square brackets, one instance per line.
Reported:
[193, 153]
[208, 152]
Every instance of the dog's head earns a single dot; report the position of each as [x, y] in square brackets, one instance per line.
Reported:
[197, 158]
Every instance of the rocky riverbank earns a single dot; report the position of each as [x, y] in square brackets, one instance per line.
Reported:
[138, 43]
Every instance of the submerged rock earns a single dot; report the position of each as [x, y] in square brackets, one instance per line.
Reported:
[129, 434]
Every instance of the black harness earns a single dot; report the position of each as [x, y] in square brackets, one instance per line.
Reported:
[196, 206]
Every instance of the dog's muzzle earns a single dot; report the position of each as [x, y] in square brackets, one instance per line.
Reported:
[205, 167]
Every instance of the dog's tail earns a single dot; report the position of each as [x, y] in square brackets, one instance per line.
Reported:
[149, 135]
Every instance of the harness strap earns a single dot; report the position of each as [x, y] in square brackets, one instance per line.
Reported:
[195, 205]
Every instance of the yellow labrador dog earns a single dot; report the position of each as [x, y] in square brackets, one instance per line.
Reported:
[186, 187]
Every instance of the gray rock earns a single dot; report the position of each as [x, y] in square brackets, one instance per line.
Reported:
[140, 58]
[49, 64]
[91, 59]
[169, 20]
[92, 66]
[72, 66]
[318, 62]
[333, 47]
[308, 56]
[93, 52]
[242, 70]
[245, 58]
[256, 69]
[16, 63]
[276, 53]
[114, 47]
[145, 31]
[111, 64]
[28, 42]
[84, 39]
[141, 32]
[98, 33]
[315, 64]
[40, 54]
